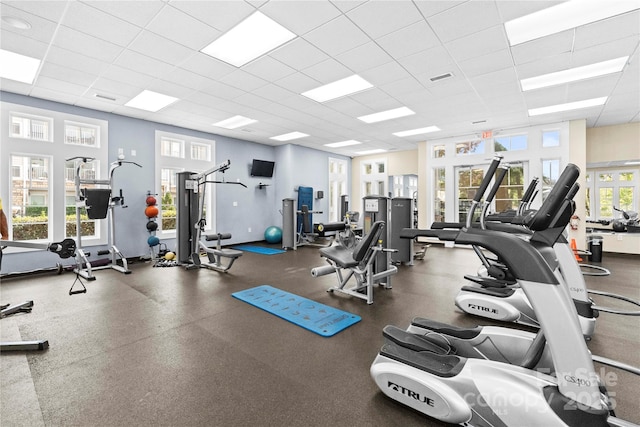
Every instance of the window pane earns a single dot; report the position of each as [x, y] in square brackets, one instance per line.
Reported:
[29, 198]
[168, 188]
[368, 168]
[519, 142]
[551, 138]
[501, 144]
[439, 202]
[626, 176]
[80, 134]
[587, 201]
[606, 202]
[438, 151]
[380, 167]
[625, 196]
[31, 127]
[87, 226]
[606, 177]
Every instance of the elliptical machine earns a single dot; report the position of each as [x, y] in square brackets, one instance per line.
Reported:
[477, 391]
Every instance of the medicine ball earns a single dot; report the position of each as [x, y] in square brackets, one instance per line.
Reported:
[618, 226]
[151, 200]
[152, 226]
[153, 241]
[151, 211]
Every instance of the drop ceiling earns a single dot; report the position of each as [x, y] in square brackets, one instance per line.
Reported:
[101, 54]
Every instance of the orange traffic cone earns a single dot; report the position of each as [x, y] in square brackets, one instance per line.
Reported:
[574, 248]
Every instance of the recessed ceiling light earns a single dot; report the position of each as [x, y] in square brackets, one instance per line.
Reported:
[574, 74]
[374, 151]
[632, 162]
[343, 143]
[419, 131]
[386, 115]
[338, 89]
[567, 107]
[289, 136]
[16, 22]
[250, 39]
[18, 67]
[235, 122]
[564, 16]
[151, 101]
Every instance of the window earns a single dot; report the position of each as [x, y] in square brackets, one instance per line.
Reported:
[438, 151]
[439, 199]
[611, 188]
[29, 196]
[88, 227]
[337, 186]
[31, 127]
[374, 178]
[81, 134]
[551, 138]
[200, 152]
[170, 160]
[550, 174]
[171, 147]
[511, 189]
[470, 147]
[469, 179]
[510, 143]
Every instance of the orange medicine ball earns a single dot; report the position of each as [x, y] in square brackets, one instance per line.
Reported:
[151, 211]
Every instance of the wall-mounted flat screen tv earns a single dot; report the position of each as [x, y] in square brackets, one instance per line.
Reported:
[262, 168]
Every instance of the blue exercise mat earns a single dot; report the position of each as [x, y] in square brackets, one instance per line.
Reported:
[319, 318]
[259, 249]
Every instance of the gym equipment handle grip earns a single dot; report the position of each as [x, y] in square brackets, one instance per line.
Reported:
[496, 185]
[487, 178]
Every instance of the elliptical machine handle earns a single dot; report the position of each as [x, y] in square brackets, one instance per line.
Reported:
[487, 178]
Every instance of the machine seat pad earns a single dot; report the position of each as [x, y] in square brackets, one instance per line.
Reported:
[340, 255]
[491, 291]
[489, 282]
[412, 341]
[227, 253]
[436, 364]
[447, 329]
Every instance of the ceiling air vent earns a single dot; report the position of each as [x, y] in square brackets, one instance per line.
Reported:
[108, 98]
[441, 77]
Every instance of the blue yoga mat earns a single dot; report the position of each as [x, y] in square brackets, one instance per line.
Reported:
[259, 249]
[318, 318]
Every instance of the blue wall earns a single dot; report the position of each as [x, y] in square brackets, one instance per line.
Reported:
[256, 208]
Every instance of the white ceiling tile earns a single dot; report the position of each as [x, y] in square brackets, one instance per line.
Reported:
[299, 54]
[207, 66]
[288, 14]
[85, 44]
[242, 80]
[61, 73]
[53, 95]
[160, 48]
[139, 13]
[60, 86]
[51, 10]
[187, 78]
[76, 61]
[298, 83]
[115, 89]
[434, 61]
[167, 88]
[143, 64]
[337, 36]
[376, 100]
[377, 18]
[488, 63]
[23, 45]
[548, 64]
[385, 73]
[254, 101]
[605, 51]
[268, 68]
[478, 44]
[434, 7]
[543, 47]
[347, 5]
[222, 91]
[327, 71]
[15, 87]
[403, 86]
[409, 40]
[182, 28]
[88, 20]
[41, 29]
[364, 57]
[608, 30]
[220, 14]
[273, 92]
[127, 76]
[464, 19]
[515, 9]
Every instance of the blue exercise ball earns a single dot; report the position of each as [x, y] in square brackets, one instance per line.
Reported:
[273, 234]
[153, 241]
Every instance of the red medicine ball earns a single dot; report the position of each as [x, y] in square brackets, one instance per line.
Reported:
[151, 201]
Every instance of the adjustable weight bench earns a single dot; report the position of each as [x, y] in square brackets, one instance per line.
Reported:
[356, 262]
[215, 255]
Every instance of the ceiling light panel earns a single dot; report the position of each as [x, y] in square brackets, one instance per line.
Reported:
[561, 17]
[235, 122]
[575, 74]
[343, 143]
[250, 39]
[289, 136]
[151, 101]
[587, 103]
[387, 115]
[418, 131]
[338, 89]
[18, 67]
[374, 151]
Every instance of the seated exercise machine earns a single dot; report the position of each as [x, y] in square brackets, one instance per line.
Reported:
[356, 262]
[428, 376]
[191, 223]
[99, 203]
